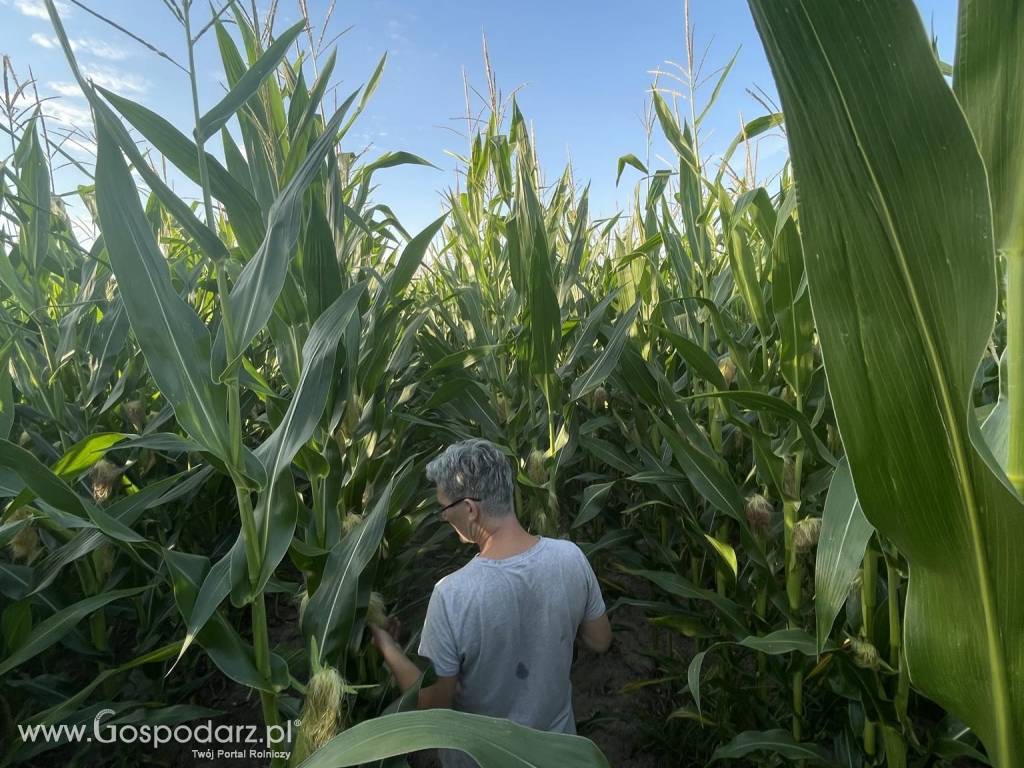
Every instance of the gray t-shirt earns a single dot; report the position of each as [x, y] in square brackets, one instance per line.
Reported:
[506, 628]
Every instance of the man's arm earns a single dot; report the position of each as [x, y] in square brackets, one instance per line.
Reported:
[441, 694]
[597, 633]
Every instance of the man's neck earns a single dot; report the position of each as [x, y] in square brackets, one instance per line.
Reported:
[506, 540]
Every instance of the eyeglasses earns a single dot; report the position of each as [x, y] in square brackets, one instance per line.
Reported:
[457, 501]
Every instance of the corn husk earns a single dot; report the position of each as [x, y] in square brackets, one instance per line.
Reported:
[865, 654]
[535, 467]
[25, 544]
[728, 369]
[600, 401]
[135, 412]
[759, 513]
[105, 475]
[806, 533]
[375, 611]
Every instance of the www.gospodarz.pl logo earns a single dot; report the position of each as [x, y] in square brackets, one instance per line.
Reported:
[216, 742]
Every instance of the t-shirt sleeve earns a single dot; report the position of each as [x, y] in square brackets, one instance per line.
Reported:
[437, 642]
[595, 607]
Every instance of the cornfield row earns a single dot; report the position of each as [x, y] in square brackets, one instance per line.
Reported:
[217, 416]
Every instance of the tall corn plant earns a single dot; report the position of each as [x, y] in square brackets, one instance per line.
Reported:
[898, 229]
[290, 190]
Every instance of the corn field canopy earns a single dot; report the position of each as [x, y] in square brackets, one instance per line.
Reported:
[778, 416]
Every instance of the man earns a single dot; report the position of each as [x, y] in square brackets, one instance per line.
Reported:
[500, 630]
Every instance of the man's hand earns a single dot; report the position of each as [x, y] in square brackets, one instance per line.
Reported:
[386, 638]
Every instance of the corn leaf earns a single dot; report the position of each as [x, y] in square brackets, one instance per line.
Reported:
[254, 294]
[243, 210]
[776, 742]
[174, 340]
[608, 360]
[247, 84]
[898, 240]
[331, 609]
[844, 536]
[51, 629]
[792, 306]
[34, 191]
[494, 742]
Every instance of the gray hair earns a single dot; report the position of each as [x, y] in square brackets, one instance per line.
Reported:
[477, 468]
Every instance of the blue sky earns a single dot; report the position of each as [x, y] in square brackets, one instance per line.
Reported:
[583, 70]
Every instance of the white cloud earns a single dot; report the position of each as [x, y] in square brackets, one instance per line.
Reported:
[42, 40]
[114, 79]
[65, 88]
[37, 8]
[87, 45]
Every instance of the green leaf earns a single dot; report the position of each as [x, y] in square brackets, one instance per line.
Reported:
[174, 340]
[34, 190]
[844, 536]
[51, 629]
[254, 294]
[988, 80]
[205, 237]
[792, 307]
[898, 239]
[725, 553]
[593, 503]
[632, 160]
[698, 360]
[331, 609]
[248, 83]
[243, 210]
[996, 427]
[234, 657]
[608, 360]
[782, 641]
[6, 397]
[776, 742]
[275, 511]
[492, 742]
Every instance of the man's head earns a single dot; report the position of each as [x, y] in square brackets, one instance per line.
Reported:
[474, 481]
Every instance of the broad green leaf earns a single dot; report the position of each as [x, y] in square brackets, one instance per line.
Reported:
[844, 536]
[725, 553]
[275, 511]
[593, 503]
[608, 360]
[632, 160]
[899, 254]
[6, 397]
[34, 190]
[254, 294]
[173, 338]
[331, 609]
[996, 427]
[205, 237]
[56, 712]
[242, 209]
[792, 307]
[412, 256]
[87, 452]
[234, 657]
[782, 641]
[988, 80]
[777, 742]
[248, 83]
[698, 360]
[51, 629]
[492, 742]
